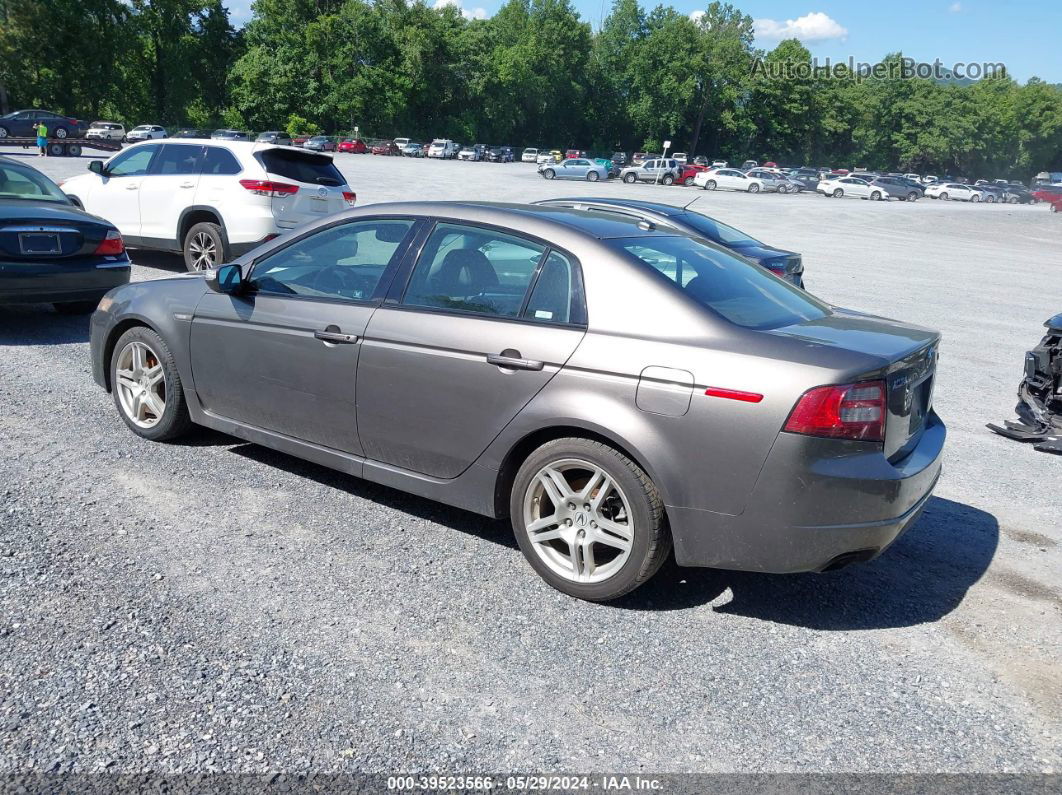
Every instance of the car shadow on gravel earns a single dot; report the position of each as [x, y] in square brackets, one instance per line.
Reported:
[157, 259]
[472, 524]
[40, 324]
[921, 578]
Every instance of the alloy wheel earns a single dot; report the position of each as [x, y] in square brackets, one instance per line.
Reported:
[204, 251]
[141, 384]
[578, 520]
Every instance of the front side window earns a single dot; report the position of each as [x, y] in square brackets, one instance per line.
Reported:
[340, 262]
[132, 162]
[739, 291]
[472, 269]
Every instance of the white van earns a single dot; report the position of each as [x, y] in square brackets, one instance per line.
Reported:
[443, 148]
[401, 142]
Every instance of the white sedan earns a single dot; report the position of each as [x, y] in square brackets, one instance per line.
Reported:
[728, 178]
[954, 190]
[839, 187]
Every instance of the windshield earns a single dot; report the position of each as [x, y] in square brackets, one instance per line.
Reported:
[20, 182]
[718, 231]
[739, 291]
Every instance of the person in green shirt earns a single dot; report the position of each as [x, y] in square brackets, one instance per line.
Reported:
[42, 137]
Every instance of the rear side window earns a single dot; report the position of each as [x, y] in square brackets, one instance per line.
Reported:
[299, 166]
[471, 269]
[738, 290]
[220, 161]
[27, 183]
[177, 159]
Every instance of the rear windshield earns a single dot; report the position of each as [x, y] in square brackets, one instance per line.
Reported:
[27, 183]
[301, 166]
[738, 290]
[718, 231]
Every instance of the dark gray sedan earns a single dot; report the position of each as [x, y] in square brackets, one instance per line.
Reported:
[613, 388]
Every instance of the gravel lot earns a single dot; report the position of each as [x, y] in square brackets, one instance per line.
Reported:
[218, 606]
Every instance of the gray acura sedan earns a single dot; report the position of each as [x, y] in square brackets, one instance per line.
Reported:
[613, 387]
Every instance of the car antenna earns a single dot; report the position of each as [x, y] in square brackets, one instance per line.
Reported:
[691, 202]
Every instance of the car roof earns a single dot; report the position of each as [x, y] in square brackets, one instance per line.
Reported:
[632, 204]
[588, 223]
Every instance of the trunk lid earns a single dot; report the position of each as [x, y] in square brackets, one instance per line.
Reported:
[907, 362]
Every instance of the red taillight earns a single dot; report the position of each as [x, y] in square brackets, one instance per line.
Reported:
[350, 197]
[265, 187]
[111, 245]
[847, 411]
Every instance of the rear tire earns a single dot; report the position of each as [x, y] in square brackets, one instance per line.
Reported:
[944, 197]
[838, 193]
[204, 247]
[592, 176]
[635, 542]
[174, 420]
[668, 179]
[710, 185]
[3, 132]
[76, 307]
[60, 132]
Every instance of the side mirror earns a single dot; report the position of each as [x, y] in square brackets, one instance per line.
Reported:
[226, 279]
[96, 167]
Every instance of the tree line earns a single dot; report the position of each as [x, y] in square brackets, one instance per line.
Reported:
[534, 74]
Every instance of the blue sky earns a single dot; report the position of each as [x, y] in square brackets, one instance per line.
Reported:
[1023, 34]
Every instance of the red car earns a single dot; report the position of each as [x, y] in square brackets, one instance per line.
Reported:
[1048, 193]
[299, 140]
[354, 146]
[386, 148]
[571, 153]
[689, 171]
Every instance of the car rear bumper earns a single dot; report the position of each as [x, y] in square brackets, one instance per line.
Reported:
[31, 283]
[811, 511]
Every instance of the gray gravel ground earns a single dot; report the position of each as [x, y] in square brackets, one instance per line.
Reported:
[216, 606]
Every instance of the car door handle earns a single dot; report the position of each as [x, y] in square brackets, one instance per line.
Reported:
[187, 184]
[513, 362]
[132, 186]
[336, 337]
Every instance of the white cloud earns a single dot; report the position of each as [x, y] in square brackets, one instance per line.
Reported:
[467, 13]
[695, 16]
[815, 26]
[955, 8]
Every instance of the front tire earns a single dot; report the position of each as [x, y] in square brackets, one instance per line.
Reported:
[630, 179]
[688, 182]
[4, 132]
[754, 188]
[60, 132]
[204, 247]
[974, 199]
[147, 387]
[912, 196]
[549, 173]
[875, 196]
[588, 519]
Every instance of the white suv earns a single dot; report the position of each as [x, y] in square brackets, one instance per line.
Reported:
[209, 200]
[106, 130]
[443, 148]
[145, 132]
